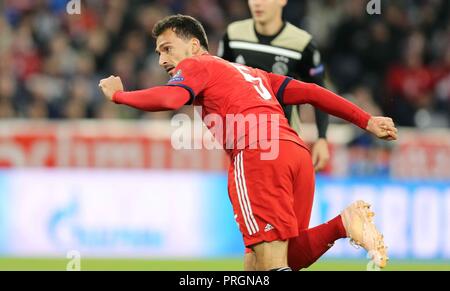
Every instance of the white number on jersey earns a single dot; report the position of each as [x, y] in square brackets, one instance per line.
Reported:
[257, 82]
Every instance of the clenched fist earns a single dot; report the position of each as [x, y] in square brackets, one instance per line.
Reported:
[110, 86]
[382, 127]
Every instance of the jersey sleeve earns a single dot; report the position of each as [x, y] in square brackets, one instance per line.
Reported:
[279, 84]
[191, 75]
[154, 99]
[296, 92]
[312, 70]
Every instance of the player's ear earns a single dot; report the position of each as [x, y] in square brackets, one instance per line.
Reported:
[283, 3]
[196, 46]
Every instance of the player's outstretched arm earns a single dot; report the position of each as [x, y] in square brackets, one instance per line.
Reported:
[296, 92]
[162, 98]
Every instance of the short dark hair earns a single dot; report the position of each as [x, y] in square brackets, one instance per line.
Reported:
[184, 26]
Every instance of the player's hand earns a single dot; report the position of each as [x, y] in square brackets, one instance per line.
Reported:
[320, 154]
[110, 86]
[383, 128]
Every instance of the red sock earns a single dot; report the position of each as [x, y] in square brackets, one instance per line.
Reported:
[312, 243]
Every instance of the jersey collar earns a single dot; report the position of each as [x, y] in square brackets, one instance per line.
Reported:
[267, 39]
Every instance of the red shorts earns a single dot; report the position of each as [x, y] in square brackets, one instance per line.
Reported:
[272, 199]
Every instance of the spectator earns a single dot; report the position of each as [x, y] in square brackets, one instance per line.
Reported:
[400, 57]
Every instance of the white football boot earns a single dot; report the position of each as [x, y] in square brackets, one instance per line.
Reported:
[358, 222]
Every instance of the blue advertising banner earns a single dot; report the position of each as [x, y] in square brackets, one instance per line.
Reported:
[135, 213]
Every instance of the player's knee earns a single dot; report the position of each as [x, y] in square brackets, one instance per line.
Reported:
[271, 255]
[250, 262]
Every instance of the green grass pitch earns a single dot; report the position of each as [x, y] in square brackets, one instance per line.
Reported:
[31, 264]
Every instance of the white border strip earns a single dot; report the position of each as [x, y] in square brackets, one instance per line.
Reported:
[246, 193]
[265, 49]
[237, 175]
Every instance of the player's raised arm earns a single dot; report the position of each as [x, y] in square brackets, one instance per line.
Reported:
[292, 92]
[162, 98]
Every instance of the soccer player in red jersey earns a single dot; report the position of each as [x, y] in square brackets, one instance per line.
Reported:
[264, 184]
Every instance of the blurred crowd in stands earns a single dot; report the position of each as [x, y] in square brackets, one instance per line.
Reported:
[396, 63]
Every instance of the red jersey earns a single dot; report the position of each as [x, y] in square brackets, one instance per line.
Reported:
[240, 105]
[235, 93]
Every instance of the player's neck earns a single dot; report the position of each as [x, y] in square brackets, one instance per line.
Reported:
[270, 28]
[201, 53]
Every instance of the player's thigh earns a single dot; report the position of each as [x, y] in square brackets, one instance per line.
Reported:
[304, 188]
[262, 196]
